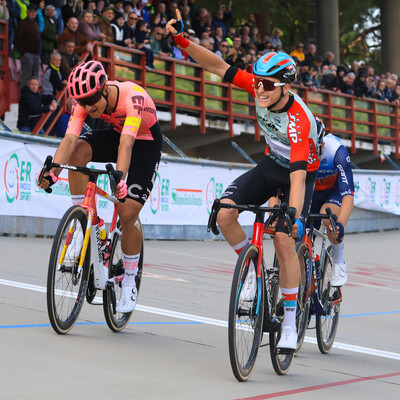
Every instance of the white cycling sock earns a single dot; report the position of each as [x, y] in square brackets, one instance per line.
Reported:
[77, 199]
[338, 253]
[289, 304]
[131, 269]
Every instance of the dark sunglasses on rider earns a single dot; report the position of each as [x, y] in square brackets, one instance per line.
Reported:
[268, 85]
[89, 101]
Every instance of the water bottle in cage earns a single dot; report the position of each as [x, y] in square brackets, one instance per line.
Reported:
[105, 248]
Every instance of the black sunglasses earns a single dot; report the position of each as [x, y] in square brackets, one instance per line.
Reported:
[90, 101]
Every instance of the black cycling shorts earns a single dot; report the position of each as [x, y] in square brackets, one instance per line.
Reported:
[145, 158]
[262, 182]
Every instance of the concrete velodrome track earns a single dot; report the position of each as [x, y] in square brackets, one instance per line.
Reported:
[176, 344]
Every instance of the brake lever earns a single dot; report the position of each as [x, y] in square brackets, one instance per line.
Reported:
[212, 219]
[332, 219]
[115, 177]
[46, 168]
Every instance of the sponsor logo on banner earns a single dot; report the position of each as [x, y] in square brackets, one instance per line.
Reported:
[397, 198]
[370, 189]
[384, 193]
[187, 197]
[214, 191]
[17, 179]
[159, 196]
[356, 190]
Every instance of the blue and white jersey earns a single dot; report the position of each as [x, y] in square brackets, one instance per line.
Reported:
[335, 167]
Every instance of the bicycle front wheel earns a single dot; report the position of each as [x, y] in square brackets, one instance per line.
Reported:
[118, 321]
[66, 284]
[280, 361]
[303, 303]
[246, 312]
[326, 324]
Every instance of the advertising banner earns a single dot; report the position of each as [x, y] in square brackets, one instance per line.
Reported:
[182, 195]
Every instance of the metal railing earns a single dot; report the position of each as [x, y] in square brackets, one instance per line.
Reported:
[4, 69]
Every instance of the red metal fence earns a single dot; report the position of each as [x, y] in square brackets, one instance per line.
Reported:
[181, 87]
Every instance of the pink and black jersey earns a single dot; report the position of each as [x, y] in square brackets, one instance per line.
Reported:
[291, 133]
[134, 114]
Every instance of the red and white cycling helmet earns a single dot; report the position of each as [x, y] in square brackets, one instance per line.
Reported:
[86, 80]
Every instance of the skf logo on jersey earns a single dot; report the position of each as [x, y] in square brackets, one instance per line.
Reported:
[292, 129]
[138, 102]
[342, 174]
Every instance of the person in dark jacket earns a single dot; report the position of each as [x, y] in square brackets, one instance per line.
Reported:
[27, 42]
[32, 105]
[360, 87]
[49, 35]
[69, 59]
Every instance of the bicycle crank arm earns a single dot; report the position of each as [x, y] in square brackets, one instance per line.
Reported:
[110, 286]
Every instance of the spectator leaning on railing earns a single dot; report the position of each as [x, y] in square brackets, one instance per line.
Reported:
[83, 43]
[87, 28]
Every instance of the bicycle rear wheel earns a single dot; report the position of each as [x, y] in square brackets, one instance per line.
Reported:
[303, 303]
[118, 321]
[245, 316]
[326, 325]
[66, 286]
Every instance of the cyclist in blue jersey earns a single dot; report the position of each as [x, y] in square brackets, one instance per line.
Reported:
[334, 188]
[290, 163]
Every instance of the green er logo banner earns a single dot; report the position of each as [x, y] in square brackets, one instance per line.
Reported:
[17, 179]
[214, 191]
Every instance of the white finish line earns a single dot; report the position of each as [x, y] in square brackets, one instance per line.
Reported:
[214, 322]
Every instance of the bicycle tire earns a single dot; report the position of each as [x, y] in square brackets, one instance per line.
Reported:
[118, 321]
[326, 325]
[303, 303]
[245, 321]
[280, 361]
[66, 288]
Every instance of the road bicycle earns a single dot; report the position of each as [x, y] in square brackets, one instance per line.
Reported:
[80, 262]
[320, 298]
[263, 313]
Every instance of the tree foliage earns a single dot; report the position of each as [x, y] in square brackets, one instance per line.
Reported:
[297, 20]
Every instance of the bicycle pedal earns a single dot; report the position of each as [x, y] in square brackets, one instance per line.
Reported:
[286, 351]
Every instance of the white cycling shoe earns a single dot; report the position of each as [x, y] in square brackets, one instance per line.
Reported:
[127, 301]
[249, 285]
[339, 274]
[288, 338]
[75, 247]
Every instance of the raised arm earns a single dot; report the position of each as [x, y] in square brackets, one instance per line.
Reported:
[202, 56]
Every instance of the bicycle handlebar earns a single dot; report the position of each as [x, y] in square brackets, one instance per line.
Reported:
[276, 211]
[114, 176]
[329, 215]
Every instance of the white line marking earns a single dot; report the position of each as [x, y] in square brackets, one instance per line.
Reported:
[215, 322]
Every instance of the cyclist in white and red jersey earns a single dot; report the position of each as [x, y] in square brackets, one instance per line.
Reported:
[334, 188]
[290, 161]
[133, 140]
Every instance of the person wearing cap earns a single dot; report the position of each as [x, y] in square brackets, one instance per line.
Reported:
[107, 15]
[27, 42]
[118, 30]
[290, 163]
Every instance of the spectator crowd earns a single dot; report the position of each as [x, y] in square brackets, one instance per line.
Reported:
[47, 39]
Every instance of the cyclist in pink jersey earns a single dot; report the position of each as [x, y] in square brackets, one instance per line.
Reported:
[133, 140]
[290, 163]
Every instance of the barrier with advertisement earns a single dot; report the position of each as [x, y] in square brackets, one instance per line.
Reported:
[182, 195]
